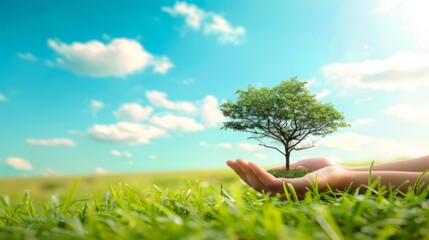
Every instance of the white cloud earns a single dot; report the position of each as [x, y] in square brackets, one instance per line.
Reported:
[193, 15]
[160, 99]
[170, 121]
[125, 132]
[188, 81]
[323, 93]
[19, 163]
[215, 146]
[310, 82]
[402, 71]
[373, 147]
[362, 121]
[390, 148]
[100, 171]
[348, 141]
[362, 100]
[162, 65]
[133, 112]
[221, 28]
[124, 154]
[408, 113]
[211, 115]
[151, 156]
[387, 5]
[118, 58]
[210, 23]
[260, 155]
[96, 106]
[27, 56]
[413, 13]
[250, 147]
[2, 98]
[49, 172]
[52, 142]
[225, 145]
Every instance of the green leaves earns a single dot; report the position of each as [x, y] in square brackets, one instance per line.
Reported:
[287, 113]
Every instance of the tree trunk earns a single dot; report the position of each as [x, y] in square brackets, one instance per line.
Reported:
[287, 155]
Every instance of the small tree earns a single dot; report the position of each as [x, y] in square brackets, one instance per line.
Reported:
[287, 114]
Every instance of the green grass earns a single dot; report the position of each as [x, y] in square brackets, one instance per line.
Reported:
[291, 173]
[210, 205]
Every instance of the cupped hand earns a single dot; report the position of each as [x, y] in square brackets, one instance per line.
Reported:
[310, 163]
[259, 179]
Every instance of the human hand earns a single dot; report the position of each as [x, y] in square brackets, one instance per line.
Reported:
[259, 179]
[310, 163]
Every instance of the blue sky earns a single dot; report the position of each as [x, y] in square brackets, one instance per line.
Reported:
[124, 86]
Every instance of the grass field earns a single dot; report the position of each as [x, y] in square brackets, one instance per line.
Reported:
[200, 205]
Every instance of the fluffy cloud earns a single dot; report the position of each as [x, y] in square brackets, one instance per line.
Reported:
[170, 121]
[118, 58]
[100, 171]
[210, 23]
[2, 98]
[225, 33]
[402, 71]
[225, 145]
[51, 142]
[215, 146]
[162, 65]
[19, 163]
[194, 16]
[133, 112]
[260, 155]
[323, 93]
[27, 56]
[408, 113]
[250, 147]
[310, 82]
[49, 172]
[413, 13]
[211, 115]
[96, 106]
[348, 141]
[118, 153]
[125, 132]
[160, 99]
[373, 147]
[362, 121]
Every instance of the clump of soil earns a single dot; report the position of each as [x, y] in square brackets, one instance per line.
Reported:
[292, 173]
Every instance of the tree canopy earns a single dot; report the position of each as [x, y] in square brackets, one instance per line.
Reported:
[288, 114]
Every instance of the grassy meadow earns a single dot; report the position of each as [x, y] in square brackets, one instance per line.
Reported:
[212, 204]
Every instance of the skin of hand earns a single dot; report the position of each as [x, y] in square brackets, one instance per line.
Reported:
[259, 179]
[334, 177]
[310, 163]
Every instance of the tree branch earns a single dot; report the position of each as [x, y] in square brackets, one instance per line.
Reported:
[262, 144]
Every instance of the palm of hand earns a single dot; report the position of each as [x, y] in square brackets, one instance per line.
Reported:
[259, 179]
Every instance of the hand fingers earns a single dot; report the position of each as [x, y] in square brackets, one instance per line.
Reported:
[251, 177]
[263, 176]
[237, 169]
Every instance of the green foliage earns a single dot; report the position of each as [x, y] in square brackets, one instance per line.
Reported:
[210, 210]
[292, 173]
[287, 113]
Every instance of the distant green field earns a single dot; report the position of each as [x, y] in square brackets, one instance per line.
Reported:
[200, 205]
[41, 188]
